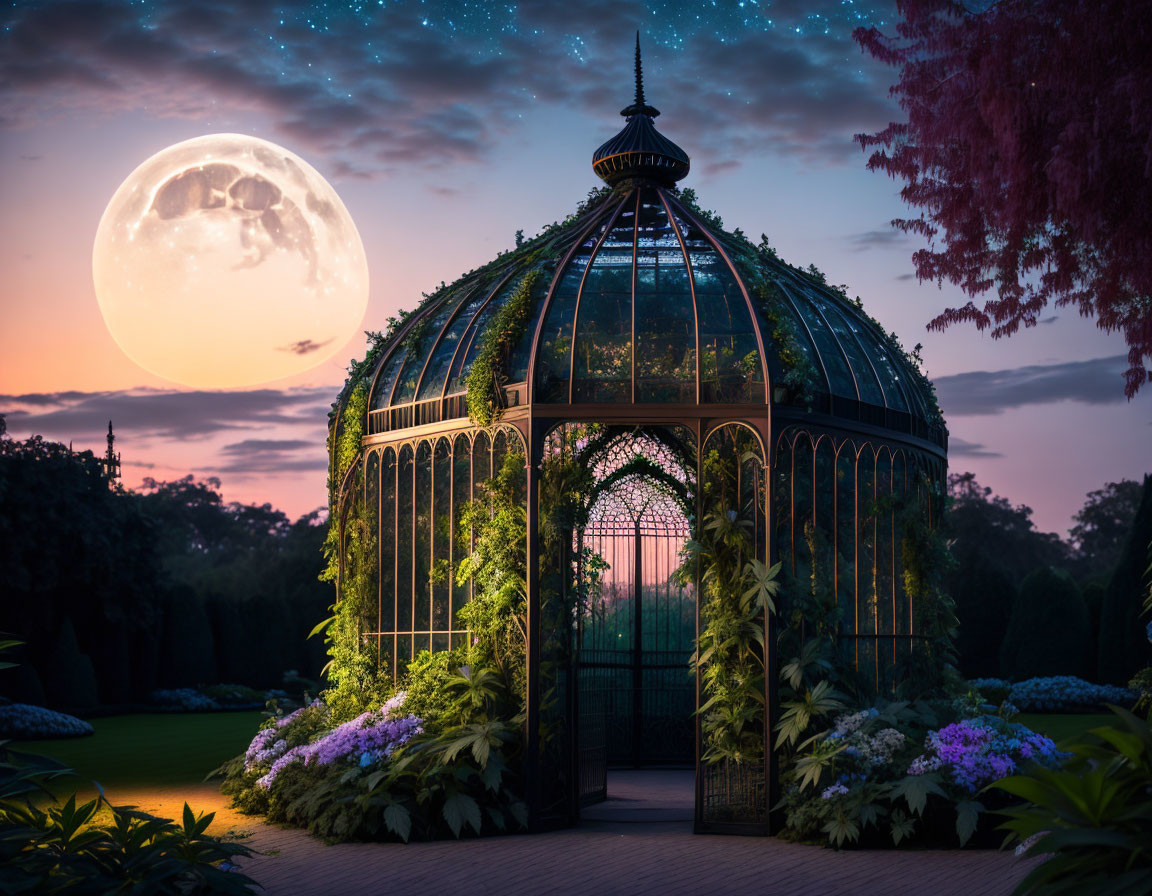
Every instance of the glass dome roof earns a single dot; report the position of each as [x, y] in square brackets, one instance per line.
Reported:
[641, 301]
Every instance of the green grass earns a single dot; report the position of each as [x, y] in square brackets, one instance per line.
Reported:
[1064, 726]
[160, 750]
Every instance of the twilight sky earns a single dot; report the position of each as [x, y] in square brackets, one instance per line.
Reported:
[447, 126]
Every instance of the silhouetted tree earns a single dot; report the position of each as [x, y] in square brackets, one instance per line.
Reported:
[1102, 526]
[1124, 647]
[1048, 630]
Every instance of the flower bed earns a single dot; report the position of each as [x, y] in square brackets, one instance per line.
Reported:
[380, 775]
[1060, 693]
[888, 775]
[19, 721]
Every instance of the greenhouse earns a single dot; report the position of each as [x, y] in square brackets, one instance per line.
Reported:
[657, 412]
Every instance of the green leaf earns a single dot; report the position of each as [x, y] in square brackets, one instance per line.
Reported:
[320, 627]
[459, 809]
[399, 820]
[902, 826]
[967, 818]
[915, 789]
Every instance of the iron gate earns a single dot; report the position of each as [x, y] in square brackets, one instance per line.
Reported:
[635, 637]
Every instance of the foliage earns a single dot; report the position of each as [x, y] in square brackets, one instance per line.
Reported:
[1141, 686]
[927, 560]
[1011, 181]
[988, 528]
[1124, 635]
[1102, 526]
[896, 770]
[487, 375]
[1061, 693]
[984, 595]
[1092, 818]
[736, 596]
[18, 721]
[498, 568]
[70, 848]
[1048, 630]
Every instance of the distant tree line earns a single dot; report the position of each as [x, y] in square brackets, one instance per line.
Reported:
[117, 592]
[1031, 604]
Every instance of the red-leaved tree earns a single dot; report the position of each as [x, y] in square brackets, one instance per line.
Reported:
[1028, 152]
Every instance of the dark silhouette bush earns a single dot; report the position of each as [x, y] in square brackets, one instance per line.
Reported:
[1048, 631]
[984, 595]
[1124, 648]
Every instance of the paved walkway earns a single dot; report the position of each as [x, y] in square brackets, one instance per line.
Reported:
[639, 842]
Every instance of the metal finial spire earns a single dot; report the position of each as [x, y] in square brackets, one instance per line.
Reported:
[640, 106]
[639, 74]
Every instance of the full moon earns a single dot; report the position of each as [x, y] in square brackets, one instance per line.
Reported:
[227, 260]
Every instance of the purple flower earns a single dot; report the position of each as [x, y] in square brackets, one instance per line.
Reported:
[369, 737]
[979, 751]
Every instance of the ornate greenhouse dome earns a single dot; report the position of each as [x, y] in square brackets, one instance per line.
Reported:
[692, 376]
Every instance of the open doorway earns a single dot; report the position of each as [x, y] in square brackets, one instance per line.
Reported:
[636, 634]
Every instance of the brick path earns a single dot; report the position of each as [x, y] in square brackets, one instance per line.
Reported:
[639, 842]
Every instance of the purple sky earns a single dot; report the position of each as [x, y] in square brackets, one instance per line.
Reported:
[445, 127]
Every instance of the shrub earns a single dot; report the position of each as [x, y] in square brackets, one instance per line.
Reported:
[183, 700]
[896, 770]
[1048, 630]
[1060, 693]
[1093, 817]
[64, 849]
[69, 678]
[1124, 646]
[19, 721]
[983, 594]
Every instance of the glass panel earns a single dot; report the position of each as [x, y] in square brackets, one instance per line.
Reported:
[422, 554]
[462, 540]
[372, 520]
[782, 502]
[388, 551]
[404, 547]
[554, 354]
[441, 358]
[442, 536]
[802, 532]
[885, 579]
[387, 378]
[845, 543]
[730, 368]
[665, 322]
[900, 495]
[842, 382]
[881, 354]
[866, 609]
[406, 387]
[602, 358]
[865, 378]
[499, 449]
[481, 460]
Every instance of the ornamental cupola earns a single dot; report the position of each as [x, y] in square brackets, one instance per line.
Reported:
[639, 151]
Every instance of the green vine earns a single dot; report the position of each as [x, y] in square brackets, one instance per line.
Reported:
[487, 376]
[737, 593]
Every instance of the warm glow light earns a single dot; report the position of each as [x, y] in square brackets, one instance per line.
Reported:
[226, 261]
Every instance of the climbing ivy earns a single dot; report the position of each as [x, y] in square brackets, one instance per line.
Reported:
[488, 374]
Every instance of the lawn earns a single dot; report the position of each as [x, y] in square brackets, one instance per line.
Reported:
[156, 750]
[1064, 726]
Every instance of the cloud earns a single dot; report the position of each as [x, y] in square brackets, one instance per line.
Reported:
[272, 456]
[903, 277]
[304, 346]
[890, 238]
[978, 392]
[431, 84]
[963, 448]
[167, 414]
[1049, 320]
